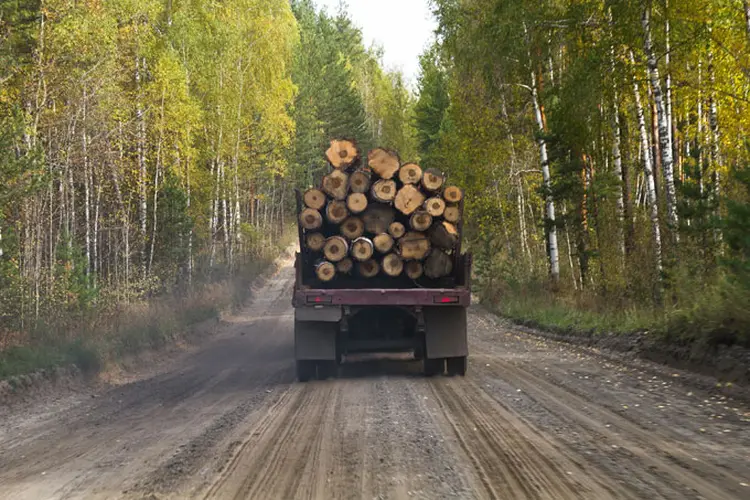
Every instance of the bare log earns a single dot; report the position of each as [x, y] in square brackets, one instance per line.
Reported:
[453, 194]
[356, 203]
[345, 266]
[438, 264]
[336, 185]
[343, 153]
[352, 228]
[444, 235]
[435, 206]
[336, 248]
[315, 241]
[408, 199]
[420, 221]
[362, 249]
[414, 269]
[359, 181]
[368, 269]
[432, 180]
[396, 230]
[414, 245]
[378, 217]
[314, 198]
[383, 243]
[310, 219]
[383, 162]
[452, 214]
[336, 211]
[325, 271]
[392, 265]
[384, 190]
[410, 173]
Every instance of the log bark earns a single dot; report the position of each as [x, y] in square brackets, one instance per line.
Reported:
[362, 249]
[383, 162]
[444, 235]
[452, 214]
[336, 248]
[392, 265]
[397, 230]
[409, 199]
[345, 266]
[383, 243]
[432, 180]
[359, 181]
[435, 206]
[414, 246]
[420, 221]
[310, 219]
[453, 194]
[438, 265]
[414, 269]
[352, 228]
[325, 271]
[410, 173]
[336, 212]
[356, 203]
[336, 185]
[315, 241]
[314, 198]
[378, 218]
[368, 269]
[384, 190]
[343, 153]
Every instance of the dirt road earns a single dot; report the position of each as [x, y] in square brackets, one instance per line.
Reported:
[534, 419]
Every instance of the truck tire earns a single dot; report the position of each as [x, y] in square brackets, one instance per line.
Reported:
[435, 366]
[456, 366]
[327, 369]
[305, 370]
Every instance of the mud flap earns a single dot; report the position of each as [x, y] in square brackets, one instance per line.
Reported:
[445, 332]
[315, 340]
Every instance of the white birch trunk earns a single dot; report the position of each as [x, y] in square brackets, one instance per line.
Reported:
[617, 159]
[87, 187]
[668, 81]
[713, 122]
[665, 144]
[141, 146]
[157, 174]
[648, 173]
[746, 5]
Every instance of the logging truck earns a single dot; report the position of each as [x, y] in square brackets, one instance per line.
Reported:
[380, 267]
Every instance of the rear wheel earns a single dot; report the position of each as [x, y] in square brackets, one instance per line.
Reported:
[456, 366]
[305, 370]
[434, 366]
[327, 369]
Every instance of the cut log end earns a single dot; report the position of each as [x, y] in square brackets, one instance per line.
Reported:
[435, 206]
[345, 266]
[314, 198]
[343, 153]
[453, 194]
[352, 228]
[378, 218]
[438, 265]
[383, 162]
[414, 246]
[356, 203]
[452, 214]
[432, 180]
[362, 249]
[420, 221]
[397, 230]
[315, 241]
[310, 219]
[325, 271]
[369, 268]
[335, 248]
[359, 181]
[383, 243]
[414, 269]
[384, 190]
[409, 199]
[336, 185]
[444, 235]
[411, 173]
[336, 212]
[393, 265]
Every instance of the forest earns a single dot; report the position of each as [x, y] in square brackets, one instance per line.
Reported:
[149, 150]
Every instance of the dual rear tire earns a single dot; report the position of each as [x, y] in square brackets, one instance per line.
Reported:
[321, 370]
[452, 366]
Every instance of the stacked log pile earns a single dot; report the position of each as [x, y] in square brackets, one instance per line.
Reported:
[377, 216]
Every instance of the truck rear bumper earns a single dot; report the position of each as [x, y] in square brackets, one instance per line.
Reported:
[383, 297]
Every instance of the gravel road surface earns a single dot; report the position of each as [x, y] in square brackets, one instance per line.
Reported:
[533, 419]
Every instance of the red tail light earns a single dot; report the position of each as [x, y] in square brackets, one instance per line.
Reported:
[319, 299]
[445, 299]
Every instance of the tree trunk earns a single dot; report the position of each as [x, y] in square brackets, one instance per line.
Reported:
[665, 144]
[746, 5]
[310, 219]
[335, 184]
[383, 243]
[453, 194]
[409, 199]
[617, 159]
[356, 203]
[362, 249]
[335, 248]
[384, 190]
[325, 271]
[140, 66]
[336, 212]
[411, 173]
[432, 180]
[342, 154]
[713, 122]
[393, 265]
[383, 162]
[435, 206]
[420, 221]
[314, 198]
[352, 228]
[649, 174]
